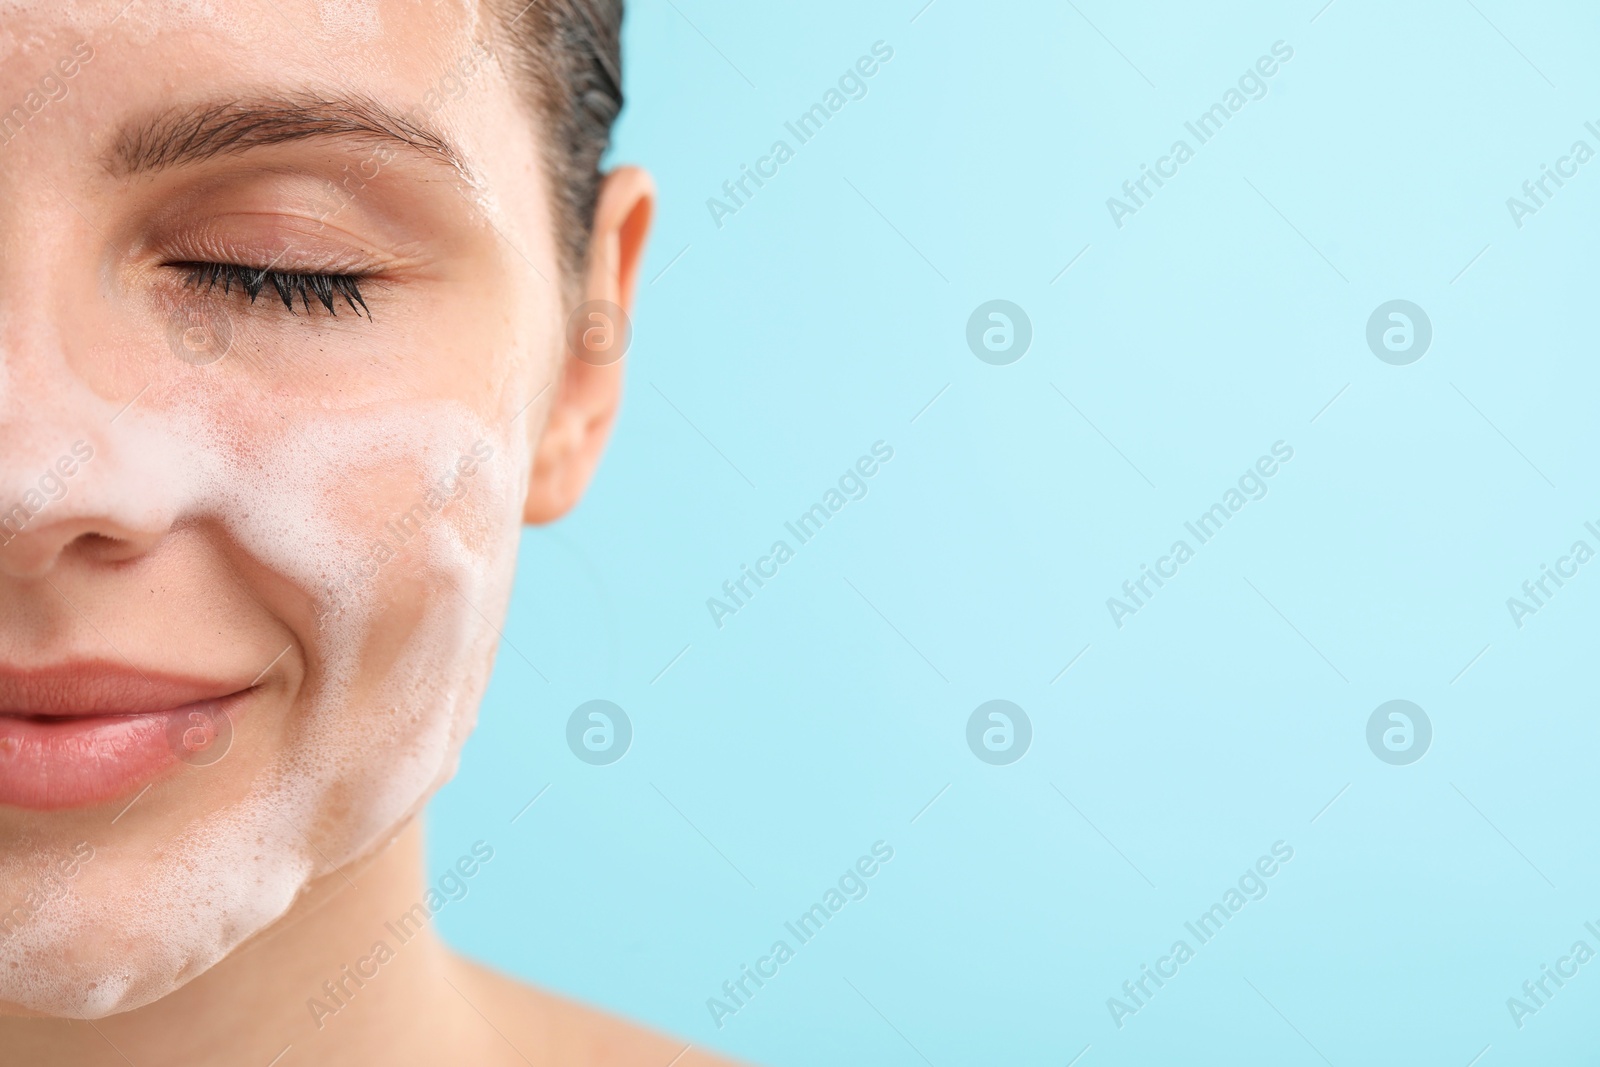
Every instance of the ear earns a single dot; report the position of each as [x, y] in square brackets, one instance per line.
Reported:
[589, 386]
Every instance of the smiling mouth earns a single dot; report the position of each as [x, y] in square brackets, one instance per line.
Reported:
[80, 734]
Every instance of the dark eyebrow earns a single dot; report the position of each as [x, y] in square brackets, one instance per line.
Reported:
[179, 136]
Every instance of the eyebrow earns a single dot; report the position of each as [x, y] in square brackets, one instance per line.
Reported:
[185, 136]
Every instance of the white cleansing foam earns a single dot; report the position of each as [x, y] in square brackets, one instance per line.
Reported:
[364, 752]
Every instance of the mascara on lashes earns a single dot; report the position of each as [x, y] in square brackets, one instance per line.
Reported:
[325, 287]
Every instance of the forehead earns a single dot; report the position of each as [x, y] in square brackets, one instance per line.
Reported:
[388, 37]
[432, 59]
[440, 65]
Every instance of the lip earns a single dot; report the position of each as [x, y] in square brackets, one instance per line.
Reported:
[79, 734]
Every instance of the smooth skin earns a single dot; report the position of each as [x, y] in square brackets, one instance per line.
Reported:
[427, 1006]
[468, 305]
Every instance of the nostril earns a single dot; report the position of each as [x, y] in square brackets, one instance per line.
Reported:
[99, 546]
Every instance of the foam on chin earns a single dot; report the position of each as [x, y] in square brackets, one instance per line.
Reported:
[364, 754]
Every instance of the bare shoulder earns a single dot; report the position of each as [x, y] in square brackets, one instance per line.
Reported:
[546, 1028]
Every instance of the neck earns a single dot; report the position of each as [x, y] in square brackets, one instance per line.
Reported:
[346, 975]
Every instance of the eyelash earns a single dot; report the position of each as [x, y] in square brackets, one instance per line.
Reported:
[324, 287]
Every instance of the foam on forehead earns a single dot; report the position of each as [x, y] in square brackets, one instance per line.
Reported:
[365, 753]
[90, 16]
[356, 20]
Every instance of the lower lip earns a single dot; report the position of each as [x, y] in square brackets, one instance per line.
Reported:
[49, 764]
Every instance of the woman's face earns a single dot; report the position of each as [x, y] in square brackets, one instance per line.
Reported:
[251, 553]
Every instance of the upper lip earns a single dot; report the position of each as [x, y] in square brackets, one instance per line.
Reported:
[89, 688]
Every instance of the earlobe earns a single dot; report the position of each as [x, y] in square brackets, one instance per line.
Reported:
[588, 392]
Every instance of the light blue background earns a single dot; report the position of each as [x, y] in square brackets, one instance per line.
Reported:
[1226, 715]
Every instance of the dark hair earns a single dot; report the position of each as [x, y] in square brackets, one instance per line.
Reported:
[567, 54]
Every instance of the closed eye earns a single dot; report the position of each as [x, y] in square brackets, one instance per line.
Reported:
[252, 281]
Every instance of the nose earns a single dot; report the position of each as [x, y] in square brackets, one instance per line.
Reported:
[34, 544]
[89, 501]
[80, 478]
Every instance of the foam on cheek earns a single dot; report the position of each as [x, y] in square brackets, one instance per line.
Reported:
[365, 753]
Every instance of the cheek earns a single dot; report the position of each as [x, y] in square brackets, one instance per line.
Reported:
[429, 547]
[392, 679]
[383, 529]
[400, 668]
